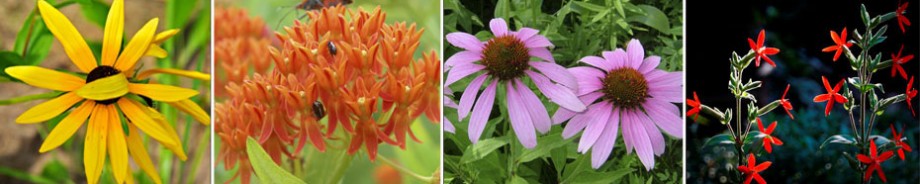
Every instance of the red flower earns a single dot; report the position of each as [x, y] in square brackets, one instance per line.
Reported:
[911, 93]
[897, 61]
[761, 51]
[896, 137]
[902, 20]
[769, 140]
[831, 96]
[753, 172]
[695, 103]
[874, 161]
[839, 43]
[785, 103]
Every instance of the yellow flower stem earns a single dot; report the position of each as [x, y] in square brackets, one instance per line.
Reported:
[27, 98]
[402, 169]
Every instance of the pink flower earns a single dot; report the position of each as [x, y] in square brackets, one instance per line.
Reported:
[625, 92]
[505, 60]
[448, 126]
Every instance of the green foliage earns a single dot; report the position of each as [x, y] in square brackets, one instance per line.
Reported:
[266, 169]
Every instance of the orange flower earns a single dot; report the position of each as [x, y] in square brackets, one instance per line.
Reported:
[839, 43]
[752, 170]
[695, 104]
[240, 43]
[910, 92]
[762, 51]
[362, 104]
[896, 139]
[831, 96]
[785, 102]
[769, 139]
[874, 162]
[897, 61]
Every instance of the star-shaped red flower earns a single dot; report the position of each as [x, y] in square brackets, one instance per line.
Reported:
[785, 102]
[839, 43]
[769, 140]
[896, 137]
[874, 161]
[897, 61]
[761, 51]
[902, 20]
[910, 93]
[695, 103]
[753, 172]
[831, 96]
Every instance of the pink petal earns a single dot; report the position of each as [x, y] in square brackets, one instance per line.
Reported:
[448, 126]
[499, 27]
[666, 116]
[462, 57]
[655, 138]
[602, 148]
[537, 111]
[635, 132]
[537, 41]
[618, 58]
[556, 73]
[578, 122]
[649, 64]
[465, 41]
[589, 79]
[481, 112]
[469, 95]
[460, 71]
[520, 118]
[674, 95]
[558, 94]
[526, 33]
[669, 79]
[597, 117]
[626, 120]
[563, 114]
[542, 53]
[636, 53]
[598, 62]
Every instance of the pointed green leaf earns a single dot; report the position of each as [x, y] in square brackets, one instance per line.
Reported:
[266, 169]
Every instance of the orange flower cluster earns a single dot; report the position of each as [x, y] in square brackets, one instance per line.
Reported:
[349, 66]
[240, 43]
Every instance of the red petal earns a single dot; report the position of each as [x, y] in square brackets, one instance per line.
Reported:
[839, 98]
[827, 85]
[771, 51]
[763, 166]
[769, 61]
[753, 45]
[767, 146]
[885, 156]
[881, 174]
[827, 110]
[786, 91]
[843, 36]
[747, 179]
[873, 153]
[835, 37]
[790, 113]
[760, 125]
[759, 179]
[772, 126]
[837, 87]
[831, 48]
[822, 97]
[863, 158]
[751, 161]
[777, 142]
[837, 54]
[760, 38]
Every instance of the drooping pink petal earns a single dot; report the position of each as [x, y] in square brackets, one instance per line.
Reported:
[499, 27]
[537, 41]
[618, 58]
[532, 103]
[641, 142]
[654, 135]
[462, 57]
[526, 33]
[542, 53]
[558, 94]
[520, 118]
[448, 126]
[666, 116]
[598, 62]
[556, 73]
[580, 121]
[563, 114]
[597, 117]
[602, 148]
[668, 79]
[588, 79]
[636, 53]
[649, 64]
[465, 41]
[481, 112]
[460, 71]
[626, 120]
[469, 96]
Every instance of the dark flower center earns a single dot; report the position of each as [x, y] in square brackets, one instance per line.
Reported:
[102, 72]
[505, 57]
[625, 87]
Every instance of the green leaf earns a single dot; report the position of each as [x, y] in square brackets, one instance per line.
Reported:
[8, 59]
[55, 171]
[24, 176]
[838, 139]
[518, 180]
[603, 177]
[589, 6]
[266, 169]
[547, 144]
[724, 139]
[653, 18]
[94, 11]
[503, 10]
[479, 150]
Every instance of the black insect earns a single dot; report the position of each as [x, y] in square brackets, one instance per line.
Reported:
[331, 47]
[319, 110]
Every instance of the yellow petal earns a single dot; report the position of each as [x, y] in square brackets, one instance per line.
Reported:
[156, 51]
[118, 150]
[94, 148]
[161, 121]
[162, 36]
[70, 38]
[105, 88]
[159, 92]
[137, 46]
[129, 180]
[139, 154]
[46, 78]
[185, 73]
[49, 109]
[192, 109]
[67, 127]
[144, 122]
[114, 31]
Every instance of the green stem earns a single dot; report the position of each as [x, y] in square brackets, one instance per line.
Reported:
[203, 144]
[27, 98]
[343, 162]
[402, 169]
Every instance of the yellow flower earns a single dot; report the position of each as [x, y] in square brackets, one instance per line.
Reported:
[108, 96]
